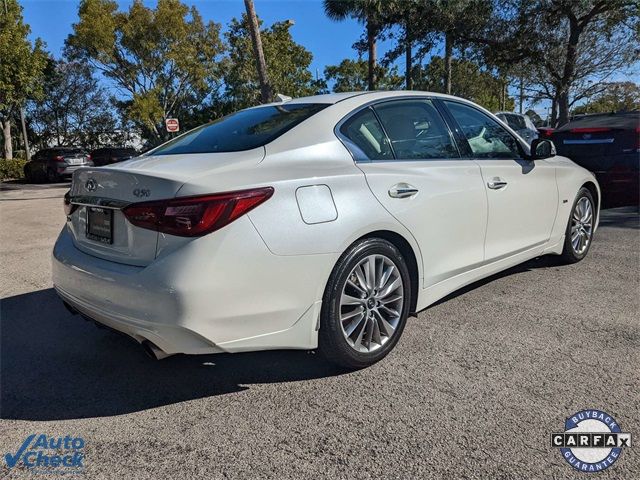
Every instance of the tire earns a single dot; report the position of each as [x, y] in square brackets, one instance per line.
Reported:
[52, 176]
[582, 221]
[356, 340]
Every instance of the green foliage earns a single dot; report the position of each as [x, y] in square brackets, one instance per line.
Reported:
[351, 76]
[287, 63]
[11, 169]
[468, 81]
[21, 64]
[74, 110]
[165, 59]
[615, 97]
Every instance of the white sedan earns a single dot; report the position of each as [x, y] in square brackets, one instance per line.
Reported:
[320, 222]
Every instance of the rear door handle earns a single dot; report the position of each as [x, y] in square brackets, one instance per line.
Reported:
[496, 183]
[402, 190]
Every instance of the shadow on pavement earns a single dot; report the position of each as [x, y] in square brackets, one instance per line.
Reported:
[56, 366]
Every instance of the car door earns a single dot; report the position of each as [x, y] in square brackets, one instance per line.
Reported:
[414, 169]
[522, 195]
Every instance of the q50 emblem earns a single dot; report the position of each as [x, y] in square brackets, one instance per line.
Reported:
[142, 192]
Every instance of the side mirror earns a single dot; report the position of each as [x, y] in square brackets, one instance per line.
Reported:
[542, 148]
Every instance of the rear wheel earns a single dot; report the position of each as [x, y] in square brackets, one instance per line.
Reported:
[579, 231]
[52, 176]
[365, 305]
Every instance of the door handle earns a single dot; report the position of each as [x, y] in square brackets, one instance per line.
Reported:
[496, 183]
[402, 190]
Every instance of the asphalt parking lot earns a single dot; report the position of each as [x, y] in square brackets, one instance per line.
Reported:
[474, 389]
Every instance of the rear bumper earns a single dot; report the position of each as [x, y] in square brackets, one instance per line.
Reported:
[68, 171]
[220, 292]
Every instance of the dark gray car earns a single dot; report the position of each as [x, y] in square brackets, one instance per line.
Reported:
[52, 164]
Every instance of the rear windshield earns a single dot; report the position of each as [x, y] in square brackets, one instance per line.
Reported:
[626, 121]
[515, 121]
[242, 130]
[68, 151]
[124, 151]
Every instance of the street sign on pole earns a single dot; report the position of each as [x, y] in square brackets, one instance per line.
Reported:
[172, 125]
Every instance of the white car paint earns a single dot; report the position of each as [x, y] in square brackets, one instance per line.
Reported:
[258, 282]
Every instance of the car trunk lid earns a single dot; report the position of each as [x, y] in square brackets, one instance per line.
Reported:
[98, 224]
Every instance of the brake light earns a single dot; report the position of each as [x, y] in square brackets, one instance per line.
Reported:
[89, 156]
[59, 158]
[195, 216]
[69, 208]
[590, 130]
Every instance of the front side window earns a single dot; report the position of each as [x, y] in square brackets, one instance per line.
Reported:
[367, 140]
[243, 130]
[416, 130]
[486, 137]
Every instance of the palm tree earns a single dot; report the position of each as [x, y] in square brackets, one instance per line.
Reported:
[261, 64]
[368, 12]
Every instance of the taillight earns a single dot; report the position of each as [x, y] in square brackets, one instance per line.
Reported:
[195, 216]
[590, 130]
[89, 156]
[59, 158]
[69, 208]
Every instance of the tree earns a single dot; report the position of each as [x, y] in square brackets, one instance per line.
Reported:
[369, 12]
[288, 64]
[455, 21]
[615, 97]
[163, 61]
[256, 40]
[568, 48]
[352, 76]
[21, 68]
[467, 81]
[74, 109]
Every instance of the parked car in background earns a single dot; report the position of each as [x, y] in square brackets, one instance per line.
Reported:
[520, 123]
[53, 164]
[545, 132]
[108, 155]
[320, 222]
[609, 146]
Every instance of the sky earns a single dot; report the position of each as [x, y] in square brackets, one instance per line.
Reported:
[329, 41]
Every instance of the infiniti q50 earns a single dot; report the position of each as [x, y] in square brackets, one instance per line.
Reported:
[315, 223]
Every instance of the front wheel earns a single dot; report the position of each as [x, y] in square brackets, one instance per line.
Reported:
[365, 305]
[579, 233]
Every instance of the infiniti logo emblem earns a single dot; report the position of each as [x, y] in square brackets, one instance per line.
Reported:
[91, 185]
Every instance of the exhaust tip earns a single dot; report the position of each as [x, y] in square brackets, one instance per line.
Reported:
[153, 351]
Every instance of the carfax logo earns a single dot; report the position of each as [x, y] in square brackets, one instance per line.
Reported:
[50, 454]
[592, 440]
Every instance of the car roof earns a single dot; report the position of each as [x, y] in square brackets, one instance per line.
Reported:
[333, 98]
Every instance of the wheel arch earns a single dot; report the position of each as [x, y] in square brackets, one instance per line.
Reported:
[408, 254]
[595, 193]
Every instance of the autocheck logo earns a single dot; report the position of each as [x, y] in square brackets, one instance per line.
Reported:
[592, 440]
[48, 454]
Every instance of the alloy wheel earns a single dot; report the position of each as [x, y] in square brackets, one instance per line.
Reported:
[581, 225]
[371, 303]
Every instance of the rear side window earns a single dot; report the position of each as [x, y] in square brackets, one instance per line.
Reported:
[367, 140]
[242, 130]
[486, 137]
[416, 130]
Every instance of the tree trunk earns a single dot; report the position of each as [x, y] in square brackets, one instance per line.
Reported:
[27, 154]
[553, 121]
[448, 52]
[569, 70]
[563, 107]
[6, 133]
[371, 45]
[261, 64]
[408, 57]
[521, 96]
